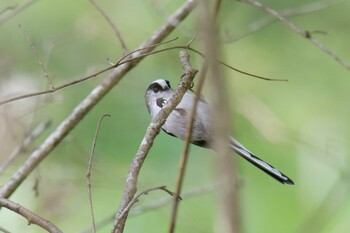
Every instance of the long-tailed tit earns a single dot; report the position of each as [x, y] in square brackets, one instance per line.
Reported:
[160, 91]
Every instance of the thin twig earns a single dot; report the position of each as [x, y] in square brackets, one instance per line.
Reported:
[123, 60]
[240, 71]
[113, 26]
[71, 83]
[90, 102]
[16, 10]
[288, 13]
[145, 192]
[202, 55]
[88, 174]
[37, 57]
[152, 131]
[29, 215]
[184, 157]
[24, 145]
[296, 28]
[138, 210]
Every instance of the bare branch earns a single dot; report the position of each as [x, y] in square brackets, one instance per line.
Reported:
[228, 211]
[123, 60]
[25, 144]
[16, 10]
[302, 32]
[113, 26]
[88, 174]
[184, 57]
[4, 230]
[91, 100]
[166, 201]
[120, 62]
[29, 215]
[202, 55]
[37, 57]
[126, 210]
[152, 131]
[156, 205]
[288, 13]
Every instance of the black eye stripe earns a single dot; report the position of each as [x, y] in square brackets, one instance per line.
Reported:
[155, 87]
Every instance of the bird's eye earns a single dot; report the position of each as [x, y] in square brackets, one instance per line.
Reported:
[155, 89]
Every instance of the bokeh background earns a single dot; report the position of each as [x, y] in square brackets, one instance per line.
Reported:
[300, 126]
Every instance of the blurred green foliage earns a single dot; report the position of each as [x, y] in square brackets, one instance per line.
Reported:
[301, 126]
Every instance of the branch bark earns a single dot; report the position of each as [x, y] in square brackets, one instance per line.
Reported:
[29, 215]
[91, 100]
[186, 146]
[146, 144]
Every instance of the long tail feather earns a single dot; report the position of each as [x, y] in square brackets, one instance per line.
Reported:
[265, 167]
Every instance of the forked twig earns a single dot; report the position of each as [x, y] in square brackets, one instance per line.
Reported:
[121, 61]
[296, 28]
[154, 205]
[145, 192]
[288, 13]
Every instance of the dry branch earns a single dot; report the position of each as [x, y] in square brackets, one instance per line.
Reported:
[29, 215]
[287, 12]
[156, 205]
[297, 29]
[228, 211]
[91, 100]
[124, 60]
[127, 209]
[16, 9]
[183, 161]
[24, 145]
[152, 131]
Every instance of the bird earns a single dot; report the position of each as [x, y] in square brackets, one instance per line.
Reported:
[157, 95]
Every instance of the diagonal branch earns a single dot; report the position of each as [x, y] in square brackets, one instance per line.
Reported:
[29, 215]
[16, 9]
[146, 144]
[287, 12]
[297, 29]
[91, 100]
[24, 145]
